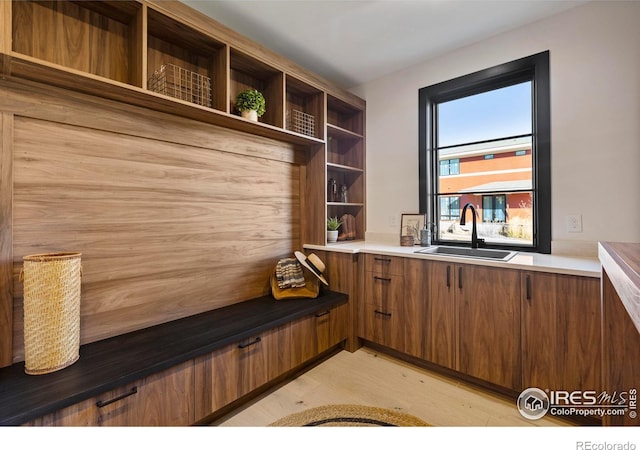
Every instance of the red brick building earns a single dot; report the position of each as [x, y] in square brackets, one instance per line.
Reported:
[495, 178]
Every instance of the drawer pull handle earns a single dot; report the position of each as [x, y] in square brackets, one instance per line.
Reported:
[459, 277]
[528, 287]
[249, 344]
[382, 313]
[388, 280]
[384, 260]
[103, 403]
[448, 277]
[322, 313]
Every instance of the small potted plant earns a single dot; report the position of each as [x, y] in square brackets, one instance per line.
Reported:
[251, 104]
[332, 229]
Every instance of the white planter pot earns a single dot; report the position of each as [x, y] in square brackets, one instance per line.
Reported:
[251, 115]
[332, 236]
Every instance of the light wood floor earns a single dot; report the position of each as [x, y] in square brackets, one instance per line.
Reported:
[369, 378]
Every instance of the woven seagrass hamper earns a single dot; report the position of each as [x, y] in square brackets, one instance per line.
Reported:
[51, 311]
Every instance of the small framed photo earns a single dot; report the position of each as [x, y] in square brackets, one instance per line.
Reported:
[411, 224]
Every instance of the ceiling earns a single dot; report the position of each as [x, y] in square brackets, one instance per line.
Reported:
[351, 42]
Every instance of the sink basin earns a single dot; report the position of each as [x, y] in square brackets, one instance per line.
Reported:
[465, 252]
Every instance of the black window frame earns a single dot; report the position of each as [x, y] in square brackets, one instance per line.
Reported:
[534, 68]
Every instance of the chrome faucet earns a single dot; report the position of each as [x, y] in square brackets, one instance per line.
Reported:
[475, 242]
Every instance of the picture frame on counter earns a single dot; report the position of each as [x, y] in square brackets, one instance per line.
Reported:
[411, 224]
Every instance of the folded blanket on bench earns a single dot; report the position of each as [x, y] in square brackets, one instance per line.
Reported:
[289, 273]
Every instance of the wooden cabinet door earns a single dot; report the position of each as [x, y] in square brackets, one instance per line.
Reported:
[237, 369]
[440, 345]
[489, 324]
[304, 340]
[341, 273]
[429, 311]
[560, 332]
[416, 322]
[338, 324]
[164, 399]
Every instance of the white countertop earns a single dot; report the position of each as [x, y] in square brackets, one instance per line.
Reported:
[569, 265]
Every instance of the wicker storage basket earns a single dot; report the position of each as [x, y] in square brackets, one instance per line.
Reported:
[51, 311]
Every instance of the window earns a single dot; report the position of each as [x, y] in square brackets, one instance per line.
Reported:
[494, 208]
[492, 129]
[450, 208]
[450, 167]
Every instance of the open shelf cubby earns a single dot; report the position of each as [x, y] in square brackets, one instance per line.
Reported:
[99, 38]
[304, 108]
[353, 179]
[247, 72]
[345, 151]
[202, 58]
[344, 116]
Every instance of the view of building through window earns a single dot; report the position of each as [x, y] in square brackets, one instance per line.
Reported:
[484, 150]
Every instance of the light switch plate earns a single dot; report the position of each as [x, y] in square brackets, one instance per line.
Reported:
[574, 223]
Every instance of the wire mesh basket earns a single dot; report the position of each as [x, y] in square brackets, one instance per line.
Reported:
[184, 84]
[301, 122]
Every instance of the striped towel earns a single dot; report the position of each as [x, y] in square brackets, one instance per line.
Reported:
[289, 273]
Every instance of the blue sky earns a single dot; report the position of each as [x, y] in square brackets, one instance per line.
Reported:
[494, 114]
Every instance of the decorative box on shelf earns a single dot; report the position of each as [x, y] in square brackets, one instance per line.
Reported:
[301, 122]
[183, 84]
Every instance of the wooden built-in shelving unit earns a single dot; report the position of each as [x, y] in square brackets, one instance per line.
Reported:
[80, 76]
[346, 159]
[112, 48]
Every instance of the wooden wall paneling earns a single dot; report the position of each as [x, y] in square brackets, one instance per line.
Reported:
[35, 100]
[6, 239]
[166, 231]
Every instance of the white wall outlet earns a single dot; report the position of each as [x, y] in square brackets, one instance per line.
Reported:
[393, 220]
[574, 223]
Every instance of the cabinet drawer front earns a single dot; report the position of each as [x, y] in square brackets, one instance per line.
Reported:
[384, 291]
[386, 265]
[381, 326]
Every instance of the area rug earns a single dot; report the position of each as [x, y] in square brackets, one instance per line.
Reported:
[349, 416]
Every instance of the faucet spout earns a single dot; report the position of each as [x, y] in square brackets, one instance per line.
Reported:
[474, 230]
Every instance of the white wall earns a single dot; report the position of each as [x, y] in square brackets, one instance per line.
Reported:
[595, 122]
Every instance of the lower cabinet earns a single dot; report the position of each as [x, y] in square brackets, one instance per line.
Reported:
[381, 311]
[235, 370]
[238, 369]
[317, 333]
[511, 328]
[621, 365]
[488, 301]
[561, 337]
[429, 319]
[163, 399]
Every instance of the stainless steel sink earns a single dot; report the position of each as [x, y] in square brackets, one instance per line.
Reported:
[465, 252]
